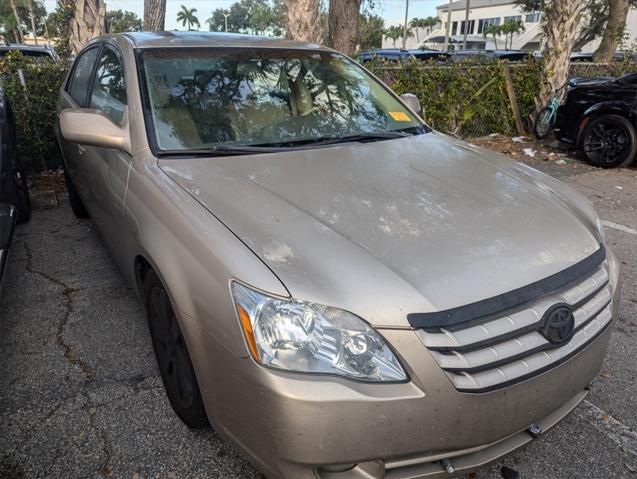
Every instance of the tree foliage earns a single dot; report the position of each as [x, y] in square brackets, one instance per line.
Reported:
[427, 24]
[123, 21]
[257, 17]
[594, 17]
[395, 32]
[9, 26]
[370, 31]
[188, 18]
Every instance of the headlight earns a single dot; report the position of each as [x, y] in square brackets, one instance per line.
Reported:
[305, 337]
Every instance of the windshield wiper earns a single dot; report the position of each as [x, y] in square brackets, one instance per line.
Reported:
[367, 136]
[229, 149]
[331, 140]
[223, 150]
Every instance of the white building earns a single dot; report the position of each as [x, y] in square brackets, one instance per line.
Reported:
[494, 12]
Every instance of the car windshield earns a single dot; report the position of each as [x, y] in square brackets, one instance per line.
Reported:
[206, 98]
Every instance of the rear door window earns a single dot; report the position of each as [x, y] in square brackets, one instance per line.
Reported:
[79, 82]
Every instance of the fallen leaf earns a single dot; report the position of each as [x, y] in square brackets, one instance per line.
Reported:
[605, 418]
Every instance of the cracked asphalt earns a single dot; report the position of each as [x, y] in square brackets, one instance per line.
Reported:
[81, 396]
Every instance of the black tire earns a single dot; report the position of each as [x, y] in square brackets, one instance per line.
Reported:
[172, 355]
[74, 198]
[609, 141]
[544, 123]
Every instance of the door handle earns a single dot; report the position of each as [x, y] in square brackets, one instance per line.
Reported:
[80, 149]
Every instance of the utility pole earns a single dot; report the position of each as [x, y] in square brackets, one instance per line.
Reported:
[466, 24]
[446, 47]
[225, 20]
[405, 25]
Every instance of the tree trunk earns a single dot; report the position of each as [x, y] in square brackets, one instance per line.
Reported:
[303, 22]
[17, 21]
[86, 23]
[343, 25]
[617, 14]
[560, 32]
[154, 15]
[30, 7]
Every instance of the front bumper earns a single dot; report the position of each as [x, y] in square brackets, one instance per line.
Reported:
[299, 426]
[308, 426]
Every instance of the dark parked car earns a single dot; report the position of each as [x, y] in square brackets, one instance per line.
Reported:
[15, 203]
[587, 57]
[393, 55]
[599, 117]
[489, 55]
[29, 51]
[396, 55]
[429, 55]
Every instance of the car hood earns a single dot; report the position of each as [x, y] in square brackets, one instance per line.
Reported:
[387, 228]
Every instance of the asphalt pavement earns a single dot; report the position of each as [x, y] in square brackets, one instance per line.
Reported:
[81, 396]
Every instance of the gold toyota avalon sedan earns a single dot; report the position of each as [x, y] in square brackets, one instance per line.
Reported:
[339, 290]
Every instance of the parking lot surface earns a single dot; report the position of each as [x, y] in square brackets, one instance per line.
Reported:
[81, 396]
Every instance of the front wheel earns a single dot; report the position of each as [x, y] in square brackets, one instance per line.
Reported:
[544, 122]
[172, 355]
[609, 141]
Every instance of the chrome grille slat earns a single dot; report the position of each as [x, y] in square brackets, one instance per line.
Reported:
[512, 322]
[500, 351]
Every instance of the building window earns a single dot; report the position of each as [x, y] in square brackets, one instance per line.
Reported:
[454, 28]
[533, 17]
[472, 24]
[485, 22]
[514, 18]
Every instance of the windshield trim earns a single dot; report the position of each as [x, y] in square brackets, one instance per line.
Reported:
[148, 117]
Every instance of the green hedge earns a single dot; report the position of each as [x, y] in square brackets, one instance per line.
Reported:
[33, 106]
[464, 100]
[470, 100]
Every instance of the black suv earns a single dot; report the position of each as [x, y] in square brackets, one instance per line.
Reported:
[599, 117]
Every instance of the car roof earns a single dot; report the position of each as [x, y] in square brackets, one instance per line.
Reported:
[426, 50]
[385, 50]
[208, 39]
[33, 48]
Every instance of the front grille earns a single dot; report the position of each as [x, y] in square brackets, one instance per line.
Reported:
[508, 347]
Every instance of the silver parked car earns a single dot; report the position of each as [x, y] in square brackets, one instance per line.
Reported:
[339, 290]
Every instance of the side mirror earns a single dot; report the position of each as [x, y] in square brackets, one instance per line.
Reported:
[92, 127]
[412, 102]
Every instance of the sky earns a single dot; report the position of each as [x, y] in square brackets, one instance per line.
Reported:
[393, 11]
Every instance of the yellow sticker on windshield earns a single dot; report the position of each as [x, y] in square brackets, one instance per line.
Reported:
[399, 116]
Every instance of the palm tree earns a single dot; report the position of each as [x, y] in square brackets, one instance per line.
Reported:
[394, 33]
[510, 28]
[187, 17]
[430, 23]
[415, 24]
[493, 30]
